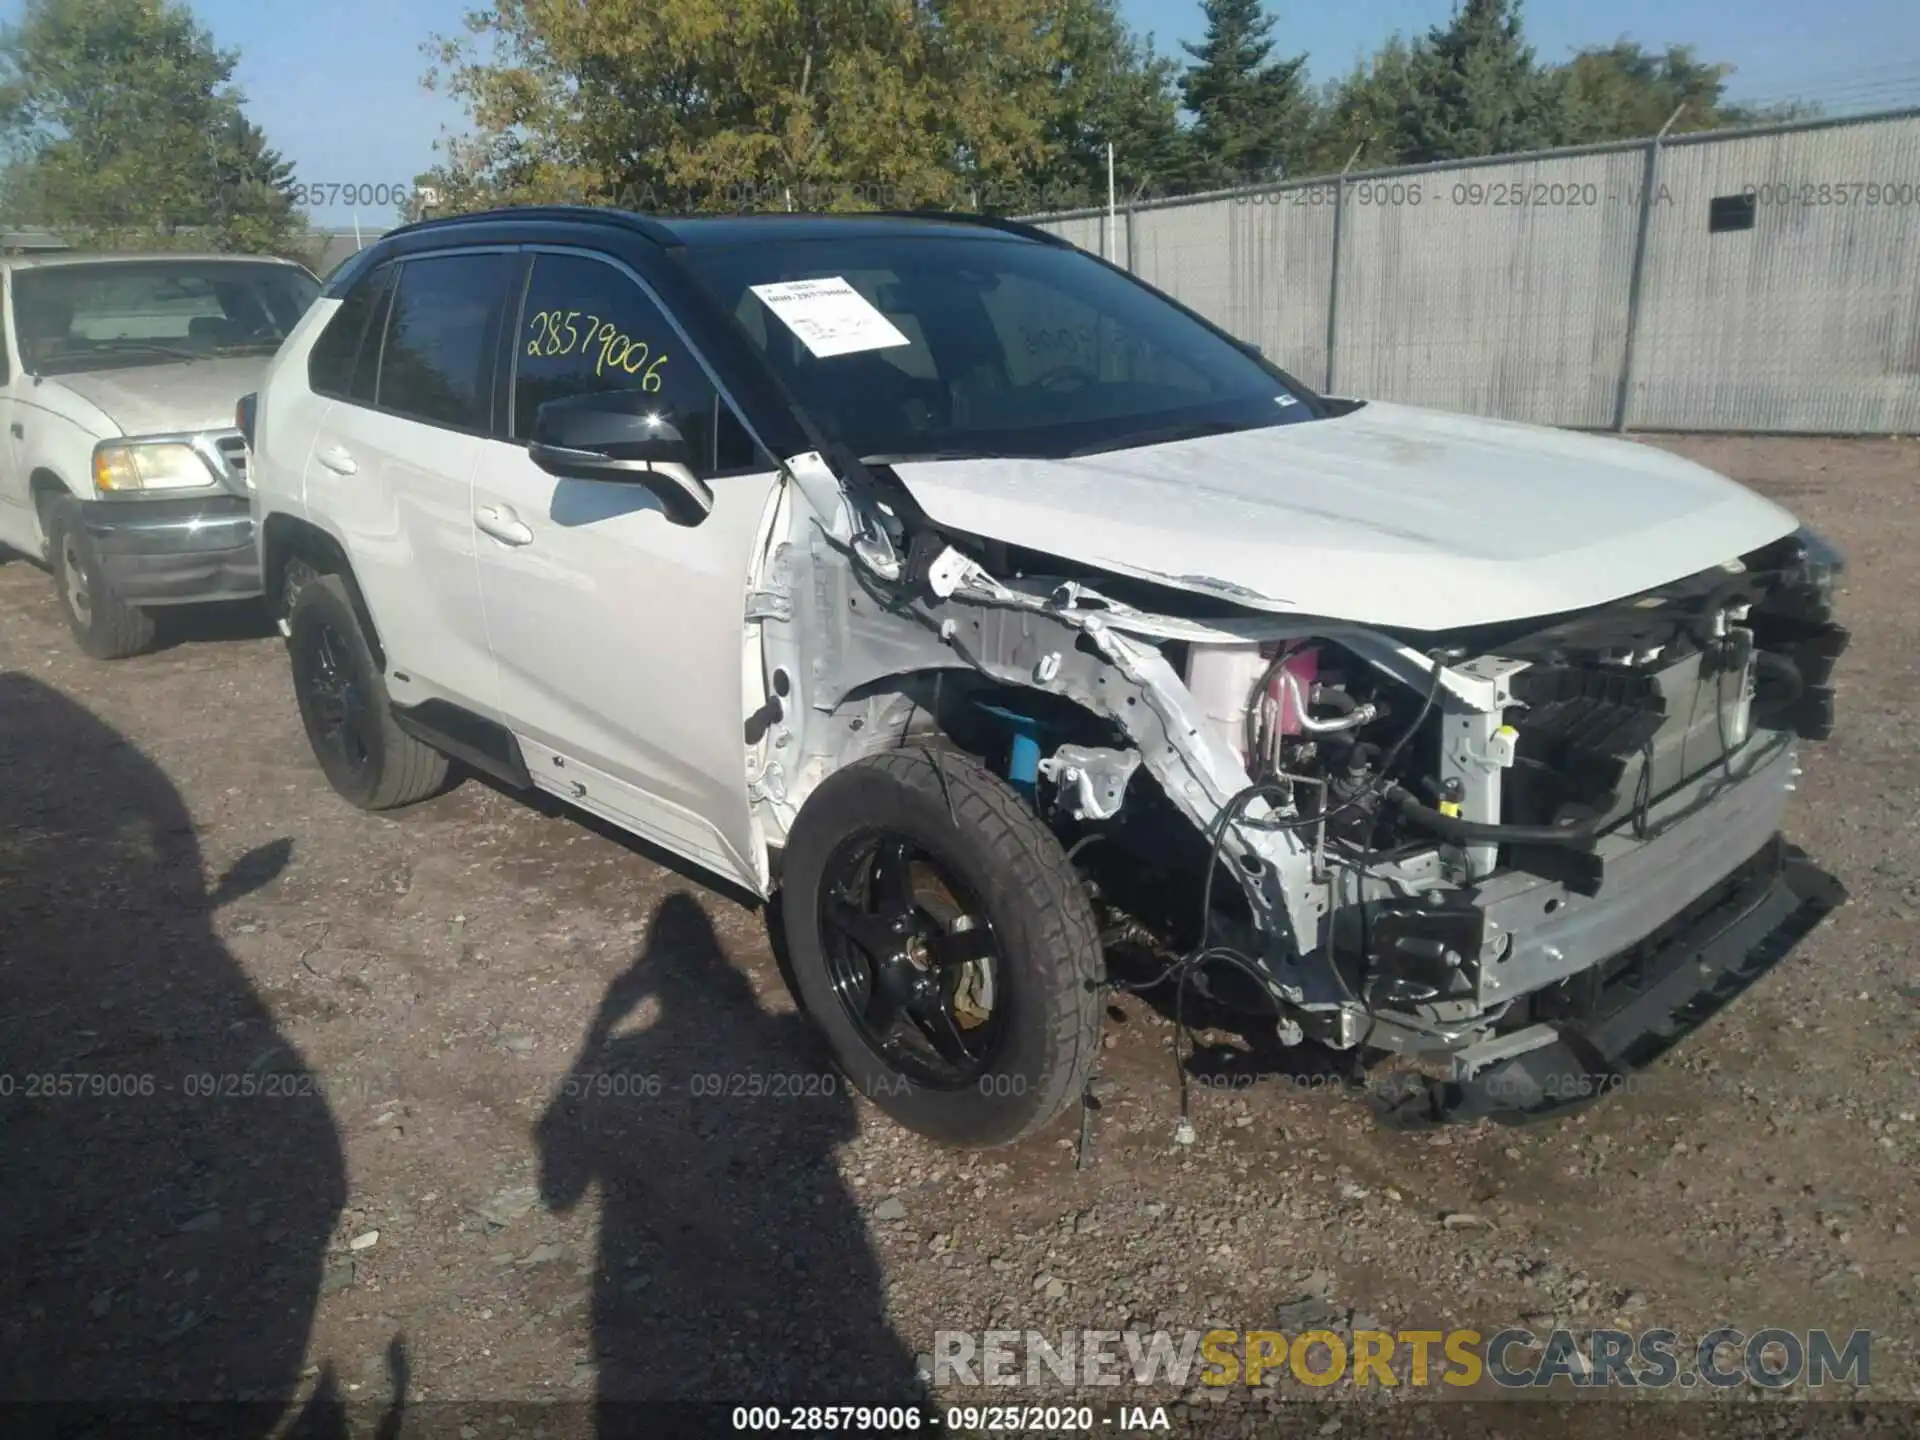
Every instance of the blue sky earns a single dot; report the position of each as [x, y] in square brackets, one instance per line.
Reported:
[336, 83]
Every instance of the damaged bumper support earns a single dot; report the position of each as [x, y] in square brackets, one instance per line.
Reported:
[1683, 922]
[1696, 964]
[1517, 935]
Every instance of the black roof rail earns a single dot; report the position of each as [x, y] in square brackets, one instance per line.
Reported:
[661, 232]
[599, 214]
[991, 222]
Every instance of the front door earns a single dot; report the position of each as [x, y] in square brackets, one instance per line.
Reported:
[620, 636]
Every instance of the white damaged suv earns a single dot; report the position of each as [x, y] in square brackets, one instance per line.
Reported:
[997, 614]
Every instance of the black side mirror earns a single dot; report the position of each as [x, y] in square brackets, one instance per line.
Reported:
[625, 437]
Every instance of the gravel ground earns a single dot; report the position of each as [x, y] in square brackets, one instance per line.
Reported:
[505, 1109]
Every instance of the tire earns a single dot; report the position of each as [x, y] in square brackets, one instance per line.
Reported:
[343, 703]
[970, 833]
[104, 625]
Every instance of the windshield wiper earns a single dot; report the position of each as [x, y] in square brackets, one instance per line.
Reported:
[1166, 436]
[905, 457]
[109, 348]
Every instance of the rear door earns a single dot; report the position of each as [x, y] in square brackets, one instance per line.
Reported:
[309, 378]
[621, 636]
[392, 470]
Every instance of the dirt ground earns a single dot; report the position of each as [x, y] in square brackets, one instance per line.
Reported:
[481, 1103]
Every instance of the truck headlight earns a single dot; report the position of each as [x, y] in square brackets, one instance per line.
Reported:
[119, 469]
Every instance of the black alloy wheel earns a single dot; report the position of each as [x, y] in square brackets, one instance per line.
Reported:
[333, 696]
[944, 945]
[913, 961]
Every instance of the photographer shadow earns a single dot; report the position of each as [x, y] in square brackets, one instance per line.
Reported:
[733, 1260]
[158, 1243]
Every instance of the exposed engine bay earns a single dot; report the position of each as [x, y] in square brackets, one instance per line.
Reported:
[1461, 847]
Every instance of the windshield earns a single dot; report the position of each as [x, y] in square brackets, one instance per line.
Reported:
[122, 313]
[983, 345]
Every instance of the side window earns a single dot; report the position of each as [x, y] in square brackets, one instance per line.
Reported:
[366, 361]
[586, 328]
[436, 360]
[330, 364]
[6, 368]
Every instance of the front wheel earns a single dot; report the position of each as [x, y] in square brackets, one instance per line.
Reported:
[943, 944]
[106, 627]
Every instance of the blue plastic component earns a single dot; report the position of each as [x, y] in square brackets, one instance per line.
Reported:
[1023, 766]
[1023, 762]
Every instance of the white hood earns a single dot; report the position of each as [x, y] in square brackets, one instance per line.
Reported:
[155, 399]
[1387, 516]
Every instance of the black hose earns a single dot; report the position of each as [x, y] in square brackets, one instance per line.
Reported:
[1335, 700]
[1472, 832]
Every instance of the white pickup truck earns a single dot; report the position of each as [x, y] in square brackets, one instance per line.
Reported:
[120, 464]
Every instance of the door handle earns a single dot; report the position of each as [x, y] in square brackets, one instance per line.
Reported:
[503, 525]
[19, 431]
[338, 459]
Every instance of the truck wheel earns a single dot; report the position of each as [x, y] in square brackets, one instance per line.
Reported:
[944, 945]
[368, 759]
[106, 627]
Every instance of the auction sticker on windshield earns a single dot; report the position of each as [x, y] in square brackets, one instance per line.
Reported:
[830, 316]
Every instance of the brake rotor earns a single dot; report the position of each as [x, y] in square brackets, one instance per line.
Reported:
[972, 996]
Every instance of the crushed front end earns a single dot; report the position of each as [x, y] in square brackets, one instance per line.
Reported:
[1609, 823]
[1524, 857]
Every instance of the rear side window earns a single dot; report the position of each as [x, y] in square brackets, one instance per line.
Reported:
[330, 364]
[366, 363]
[586, 328]
[436, 362]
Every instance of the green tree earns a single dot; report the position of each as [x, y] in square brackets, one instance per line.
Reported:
[751, 104]
[1109, 88]
[1623, 91]
[124, 128]
[1357, 119]
[1473, 88]
[1253, 115]
[253, 205]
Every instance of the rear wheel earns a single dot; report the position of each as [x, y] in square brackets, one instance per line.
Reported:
[368, 759]
[106, 627]
[944, 946]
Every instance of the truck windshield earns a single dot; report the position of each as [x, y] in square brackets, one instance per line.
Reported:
[124, 313]
[934, 346]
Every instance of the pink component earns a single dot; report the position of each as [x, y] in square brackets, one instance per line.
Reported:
[1304, 667]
